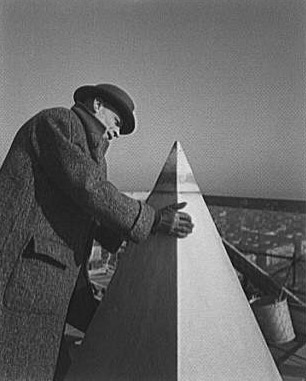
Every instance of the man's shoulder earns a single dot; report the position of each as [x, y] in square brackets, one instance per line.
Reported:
[56, 118]
[56, 112]
[60, 116]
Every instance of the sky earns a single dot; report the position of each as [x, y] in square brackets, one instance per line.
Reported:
[226, 78]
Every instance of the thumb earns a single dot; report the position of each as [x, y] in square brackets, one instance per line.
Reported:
[181, 205]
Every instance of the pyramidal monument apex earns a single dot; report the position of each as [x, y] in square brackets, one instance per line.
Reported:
[175, 309]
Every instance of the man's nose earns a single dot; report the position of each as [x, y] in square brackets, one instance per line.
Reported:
[113, 132]
[116, 131]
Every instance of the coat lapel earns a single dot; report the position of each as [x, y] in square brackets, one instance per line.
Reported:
[94, 132]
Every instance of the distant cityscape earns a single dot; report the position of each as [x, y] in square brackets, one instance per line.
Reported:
[273, 239]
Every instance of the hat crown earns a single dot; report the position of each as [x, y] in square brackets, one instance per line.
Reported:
[117, 92]
[115, 96]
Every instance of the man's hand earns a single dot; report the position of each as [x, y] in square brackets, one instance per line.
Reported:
[170, 221]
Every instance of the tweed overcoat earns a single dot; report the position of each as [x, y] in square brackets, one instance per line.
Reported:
[53, 195]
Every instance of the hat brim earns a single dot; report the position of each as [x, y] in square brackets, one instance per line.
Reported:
[125, 113]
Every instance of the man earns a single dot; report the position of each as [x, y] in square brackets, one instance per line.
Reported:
[54, 200]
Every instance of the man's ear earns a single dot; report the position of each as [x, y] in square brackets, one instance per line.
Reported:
[97, 104]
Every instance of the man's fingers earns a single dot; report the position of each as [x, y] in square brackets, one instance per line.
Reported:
[184, 224]
[184, 216]
[185, 228]
[179, 234]
[174, 222]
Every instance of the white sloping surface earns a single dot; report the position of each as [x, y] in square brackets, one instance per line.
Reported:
[218, 336]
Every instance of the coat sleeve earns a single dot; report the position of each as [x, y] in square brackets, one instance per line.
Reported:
[107, 238]
[82, 305]
[79, 176]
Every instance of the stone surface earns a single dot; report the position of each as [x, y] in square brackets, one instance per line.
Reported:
[175, 309]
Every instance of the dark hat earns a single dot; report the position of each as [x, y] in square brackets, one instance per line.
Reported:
[113, 95]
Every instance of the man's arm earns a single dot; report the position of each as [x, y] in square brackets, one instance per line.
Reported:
[80, 177]
[107, 238]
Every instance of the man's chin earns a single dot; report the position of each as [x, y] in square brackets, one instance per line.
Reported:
[107, 136]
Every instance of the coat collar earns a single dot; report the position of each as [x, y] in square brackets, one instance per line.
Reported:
[92, 124]
[94, 130]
